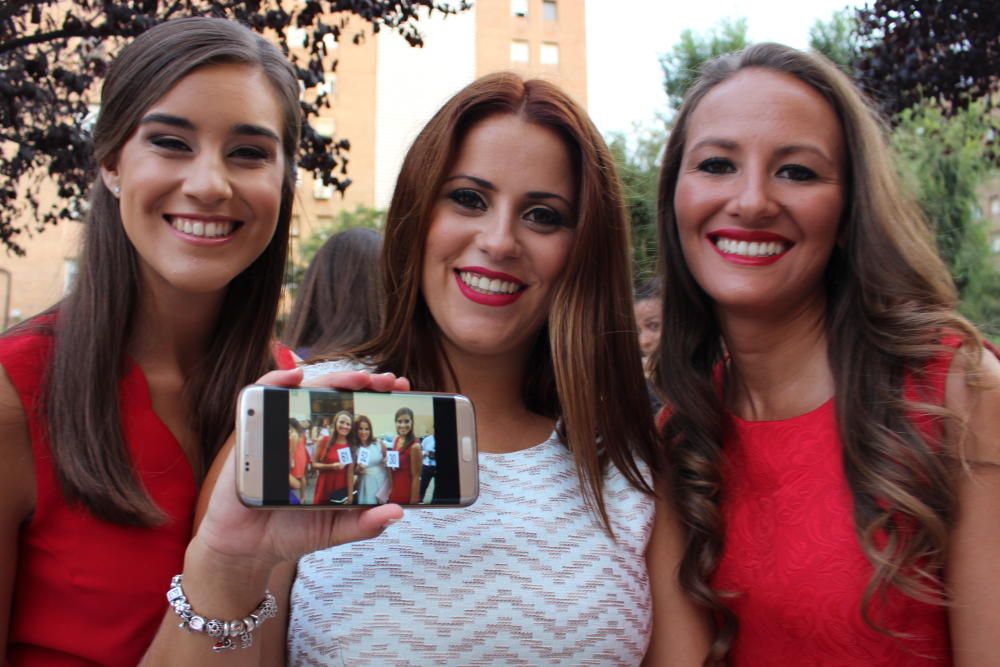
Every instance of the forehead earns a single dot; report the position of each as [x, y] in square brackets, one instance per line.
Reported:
[517, 155]
[762, 104]
[239, 93]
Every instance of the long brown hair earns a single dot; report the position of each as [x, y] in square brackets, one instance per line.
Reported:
[585, 366]
[93, 323]
[889, 298]
[339, 305]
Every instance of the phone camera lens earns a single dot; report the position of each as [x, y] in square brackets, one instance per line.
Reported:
[250, 412]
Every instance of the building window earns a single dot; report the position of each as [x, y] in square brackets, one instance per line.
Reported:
[549, 10]
[297, 37]
[549, 54]
[324, 126]
[321, 191]
[328, 87]
[518, 51]
[70, 269]
[519, 7]
[995, 244]
[995, 206]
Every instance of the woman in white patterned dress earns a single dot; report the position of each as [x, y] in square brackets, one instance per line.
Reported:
[373, 477]
[506, 267]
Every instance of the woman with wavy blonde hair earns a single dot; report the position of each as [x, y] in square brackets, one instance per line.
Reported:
[834, 424]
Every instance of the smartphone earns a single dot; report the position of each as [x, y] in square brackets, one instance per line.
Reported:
[320, 448]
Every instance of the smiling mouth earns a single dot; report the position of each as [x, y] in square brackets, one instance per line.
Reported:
[750, 248]
[489, 286]
[213, 229]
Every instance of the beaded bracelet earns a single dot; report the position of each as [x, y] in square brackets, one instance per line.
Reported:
[222, 631]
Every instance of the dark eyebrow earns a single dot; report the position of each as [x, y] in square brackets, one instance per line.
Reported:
[549, 195]
[715, 141]
[247, 129]
[244, 129]
[478, 181]
[807, 148]
[167, 119]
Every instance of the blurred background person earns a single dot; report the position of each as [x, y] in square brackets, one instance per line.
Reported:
[648, 317]
[339, 304]
[429, 465]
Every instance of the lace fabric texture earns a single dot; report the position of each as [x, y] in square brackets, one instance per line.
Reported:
[792, 557]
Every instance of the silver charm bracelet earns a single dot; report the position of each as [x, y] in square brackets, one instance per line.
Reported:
[224, 632]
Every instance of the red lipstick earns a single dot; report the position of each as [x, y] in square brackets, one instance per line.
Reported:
[748, 236]
[495, 300]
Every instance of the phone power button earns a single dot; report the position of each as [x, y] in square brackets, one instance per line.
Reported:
[466, 448]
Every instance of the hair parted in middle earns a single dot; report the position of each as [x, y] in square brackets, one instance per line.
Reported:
[889, 297]
[586, 358]
[94, 319]
[411, 437]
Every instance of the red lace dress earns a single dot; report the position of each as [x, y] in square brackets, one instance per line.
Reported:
[792, 555]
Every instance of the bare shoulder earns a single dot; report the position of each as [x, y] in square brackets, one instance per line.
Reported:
[973, 393]
[17, 474]
[17, 493]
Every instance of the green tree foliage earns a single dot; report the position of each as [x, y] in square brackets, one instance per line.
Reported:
[638, 165]
[944, 161]
[53, 54]
[682, 65]
[838, 39]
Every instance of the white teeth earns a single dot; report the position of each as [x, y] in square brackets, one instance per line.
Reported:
[485, 285]
[749, 249]
[201, 228]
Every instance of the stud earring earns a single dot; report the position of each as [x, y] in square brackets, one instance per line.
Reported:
[117, 190]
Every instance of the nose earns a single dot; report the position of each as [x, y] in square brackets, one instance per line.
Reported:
[753, 200]
[498, 237]
[207, 179]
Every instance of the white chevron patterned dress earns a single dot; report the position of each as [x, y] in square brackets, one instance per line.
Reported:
[526, 576]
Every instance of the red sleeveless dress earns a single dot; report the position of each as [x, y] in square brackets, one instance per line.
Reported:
[330, 481]
[792, 555]
[89, 592]
[402, 479]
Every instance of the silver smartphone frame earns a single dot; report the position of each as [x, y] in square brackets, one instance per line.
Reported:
[250, 450]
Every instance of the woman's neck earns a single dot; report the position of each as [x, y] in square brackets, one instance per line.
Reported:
[172, 330]
[494, 384]
[778, 367]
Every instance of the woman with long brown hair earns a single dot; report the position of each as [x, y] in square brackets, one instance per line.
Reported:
[406, 476]
[335, 483]
[113, 402]
[339, 305]
[833, 427]
[373, 477]
[507, 273]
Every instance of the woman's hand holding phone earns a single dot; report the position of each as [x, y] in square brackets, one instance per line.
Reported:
[235, 535]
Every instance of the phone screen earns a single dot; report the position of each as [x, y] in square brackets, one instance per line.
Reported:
[324, 447]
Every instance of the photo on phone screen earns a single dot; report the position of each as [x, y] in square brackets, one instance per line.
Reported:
[324, 448]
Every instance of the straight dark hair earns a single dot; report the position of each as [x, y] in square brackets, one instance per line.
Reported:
[585, 367]
[339, 305]
[92, 325]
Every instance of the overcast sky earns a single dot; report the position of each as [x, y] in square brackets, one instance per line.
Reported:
[625, 39]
